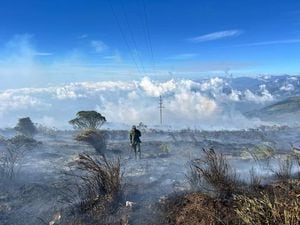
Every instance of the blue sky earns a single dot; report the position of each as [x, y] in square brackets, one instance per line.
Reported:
[44, 42]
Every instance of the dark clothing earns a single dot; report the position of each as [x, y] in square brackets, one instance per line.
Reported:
[135, 142]
[134, 136]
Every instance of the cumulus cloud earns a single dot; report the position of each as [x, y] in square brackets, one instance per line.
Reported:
[156, 89]
[264, 96]
[66, 93]
[287, 87]
[212, 84]
[187, 103]
[192, 106]
[10, 101]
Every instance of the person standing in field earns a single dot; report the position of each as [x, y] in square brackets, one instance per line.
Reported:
[135, 141]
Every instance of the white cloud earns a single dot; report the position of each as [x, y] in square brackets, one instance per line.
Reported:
[124, 111]
[21, 59]
[287, 87]
[99, 46]
[212, 84]
[235, 95]
[13, 102]
[21, 67]
[276, 42]
[156, 89]
[265, 95]
[191, 106]
[133, 95]
[216, 36]
[188, 103]
[65, 93]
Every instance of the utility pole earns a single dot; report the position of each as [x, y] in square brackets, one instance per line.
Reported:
[160, 108]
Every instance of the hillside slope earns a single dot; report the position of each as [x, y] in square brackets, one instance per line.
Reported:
[289, 105]
[286, 111]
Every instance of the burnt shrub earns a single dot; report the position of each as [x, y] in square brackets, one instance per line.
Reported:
[96, 138]
[213, 174]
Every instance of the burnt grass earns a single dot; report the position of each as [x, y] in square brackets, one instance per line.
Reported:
[156, 184]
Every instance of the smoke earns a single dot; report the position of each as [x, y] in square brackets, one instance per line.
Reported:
[192, 106]
[187, 103]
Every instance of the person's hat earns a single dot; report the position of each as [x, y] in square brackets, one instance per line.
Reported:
[133, 127]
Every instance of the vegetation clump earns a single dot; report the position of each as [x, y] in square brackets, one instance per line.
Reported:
[96, 138]
[12, 152]
[218, 197]
[89, 123]
[100, 189]
[213, 174]
[26, 127]
[88, 120]
[279, 205]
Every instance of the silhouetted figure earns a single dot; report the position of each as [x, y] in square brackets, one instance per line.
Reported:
[135, 141]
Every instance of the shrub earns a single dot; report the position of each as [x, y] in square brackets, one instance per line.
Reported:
[285, 166]
[49, 131]
[280, 206]
[253, 204]
[213, 173]
[26, 127]
[94, 188]
[96, 138]
[13, 151]
[100, 187]
[263, 154]
[255, 181]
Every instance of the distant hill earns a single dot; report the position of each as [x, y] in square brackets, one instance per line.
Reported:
[286, 109]
[289, 105]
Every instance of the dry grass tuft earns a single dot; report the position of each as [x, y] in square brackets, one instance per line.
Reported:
[285, 166]
[213, 173]
[100, 190]
[252, 204]
[281, 205]
[102, 183]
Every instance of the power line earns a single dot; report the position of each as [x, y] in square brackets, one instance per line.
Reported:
[132, 35]
[145, 33]
[123, 36]
[148, 32]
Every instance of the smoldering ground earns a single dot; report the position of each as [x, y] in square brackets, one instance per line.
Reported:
[39, 189]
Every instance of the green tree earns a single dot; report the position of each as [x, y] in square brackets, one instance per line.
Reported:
[88, 120]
